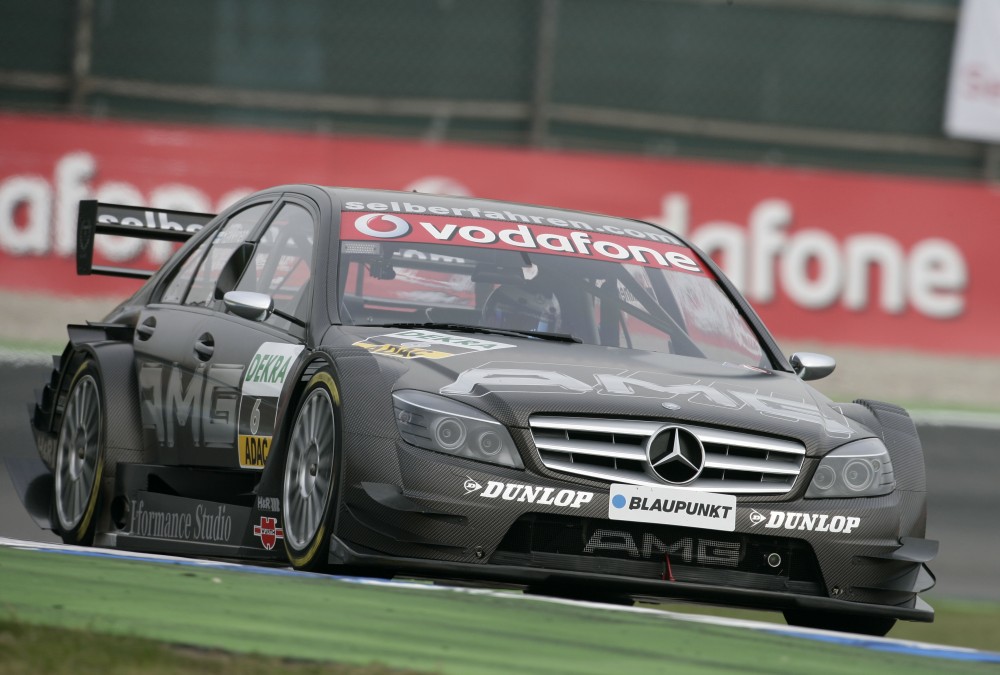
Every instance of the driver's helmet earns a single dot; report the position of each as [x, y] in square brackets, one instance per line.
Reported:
[522, 307]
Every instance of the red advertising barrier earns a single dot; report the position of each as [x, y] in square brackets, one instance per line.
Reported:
[840, 257]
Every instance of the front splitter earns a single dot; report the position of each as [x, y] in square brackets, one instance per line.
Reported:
[342, 553]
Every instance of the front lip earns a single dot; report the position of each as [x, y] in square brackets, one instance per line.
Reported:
[637, 589]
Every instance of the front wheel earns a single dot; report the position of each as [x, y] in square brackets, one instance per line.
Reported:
[80, 458]
[844, 623]
[311, 474]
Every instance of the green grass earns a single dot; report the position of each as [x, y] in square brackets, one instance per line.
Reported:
[26, 348]
[26, 648]
[960, 623]
[326, 620]
[965, 623]
[915, 407]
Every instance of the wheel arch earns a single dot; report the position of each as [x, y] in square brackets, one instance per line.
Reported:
[899, 433]
[115, 362]
[271, 476]
[355, 369]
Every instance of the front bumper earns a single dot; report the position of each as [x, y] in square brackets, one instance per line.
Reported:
[342, 553]
[449, 519]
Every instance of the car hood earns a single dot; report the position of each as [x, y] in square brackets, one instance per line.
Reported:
[512, 378]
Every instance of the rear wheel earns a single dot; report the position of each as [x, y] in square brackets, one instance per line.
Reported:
[80, 458]
[311, 474]
[844, 623]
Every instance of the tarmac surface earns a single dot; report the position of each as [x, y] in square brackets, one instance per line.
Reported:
[963, 463]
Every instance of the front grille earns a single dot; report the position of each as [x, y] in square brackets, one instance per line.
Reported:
[614, 450]
[642, 551]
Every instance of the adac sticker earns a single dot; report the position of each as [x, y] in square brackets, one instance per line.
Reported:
[254, 451]
[426, 344]
[258, 416]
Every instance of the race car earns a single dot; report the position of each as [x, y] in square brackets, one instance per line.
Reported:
[452, 388]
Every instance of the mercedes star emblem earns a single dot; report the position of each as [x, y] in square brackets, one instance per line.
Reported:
[676, 455]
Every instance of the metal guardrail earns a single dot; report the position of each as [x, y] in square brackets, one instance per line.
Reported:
[539, 112]
[895, 9]
[499, 110]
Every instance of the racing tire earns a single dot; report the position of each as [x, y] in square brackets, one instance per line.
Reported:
[312, 474]
[80, 458]
[877, 626]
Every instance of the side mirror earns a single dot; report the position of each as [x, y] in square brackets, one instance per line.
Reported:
[810, 366]
[249, 305]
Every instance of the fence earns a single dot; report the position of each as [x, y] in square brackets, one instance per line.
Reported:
[848, 83]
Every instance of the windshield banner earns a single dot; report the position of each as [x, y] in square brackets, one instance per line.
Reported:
[532, 238]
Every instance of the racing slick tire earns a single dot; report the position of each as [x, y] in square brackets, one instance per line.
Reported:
[80, 458]
[843, 623]
[312, 474]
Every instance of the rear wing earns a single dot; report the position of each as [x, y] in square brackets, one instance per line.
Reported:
[129, 221]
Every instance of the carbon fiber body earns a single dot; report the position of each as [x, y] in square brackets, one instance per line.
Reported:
[175, 483]
[402, 504]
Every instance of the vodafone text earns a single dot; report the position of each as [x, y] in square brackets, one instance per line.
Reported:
[50, 209]
[766, 258]
[577, 243]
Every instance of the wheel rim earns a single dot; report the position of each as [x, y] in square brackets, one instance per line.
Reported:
[78, 453]
[309, 469]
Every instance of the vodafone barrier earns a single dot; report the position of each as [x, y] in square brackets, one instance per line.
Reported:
[841, 257]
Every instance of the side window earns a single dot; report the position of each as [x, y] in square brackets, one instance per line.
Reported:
[281, 265]
[229, 238]
[177, 288]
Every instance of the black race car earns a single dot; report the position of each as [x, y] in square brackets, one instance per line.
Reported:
[407, 384]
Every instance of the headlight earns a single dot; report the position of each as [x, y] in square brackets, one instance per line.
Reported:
[443, 425]
[859, 469]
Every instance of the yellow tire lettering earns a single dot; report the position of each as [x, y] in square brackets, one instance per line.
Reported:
[306, 557]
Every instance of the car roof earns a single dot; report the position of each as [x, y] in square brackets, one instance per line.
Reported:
[394, 201]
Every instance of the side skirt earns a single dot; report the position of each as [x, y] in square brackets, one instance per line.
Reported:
[196, 512]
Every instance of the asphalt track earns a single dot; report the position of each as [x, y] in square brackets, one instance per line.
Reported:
[963, 463]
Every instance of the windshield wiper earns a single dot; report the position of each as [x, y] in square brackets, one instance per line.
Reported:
[469, 328]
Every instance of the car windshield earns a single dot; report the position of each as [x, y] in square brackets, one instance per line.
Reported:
[611, 291]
